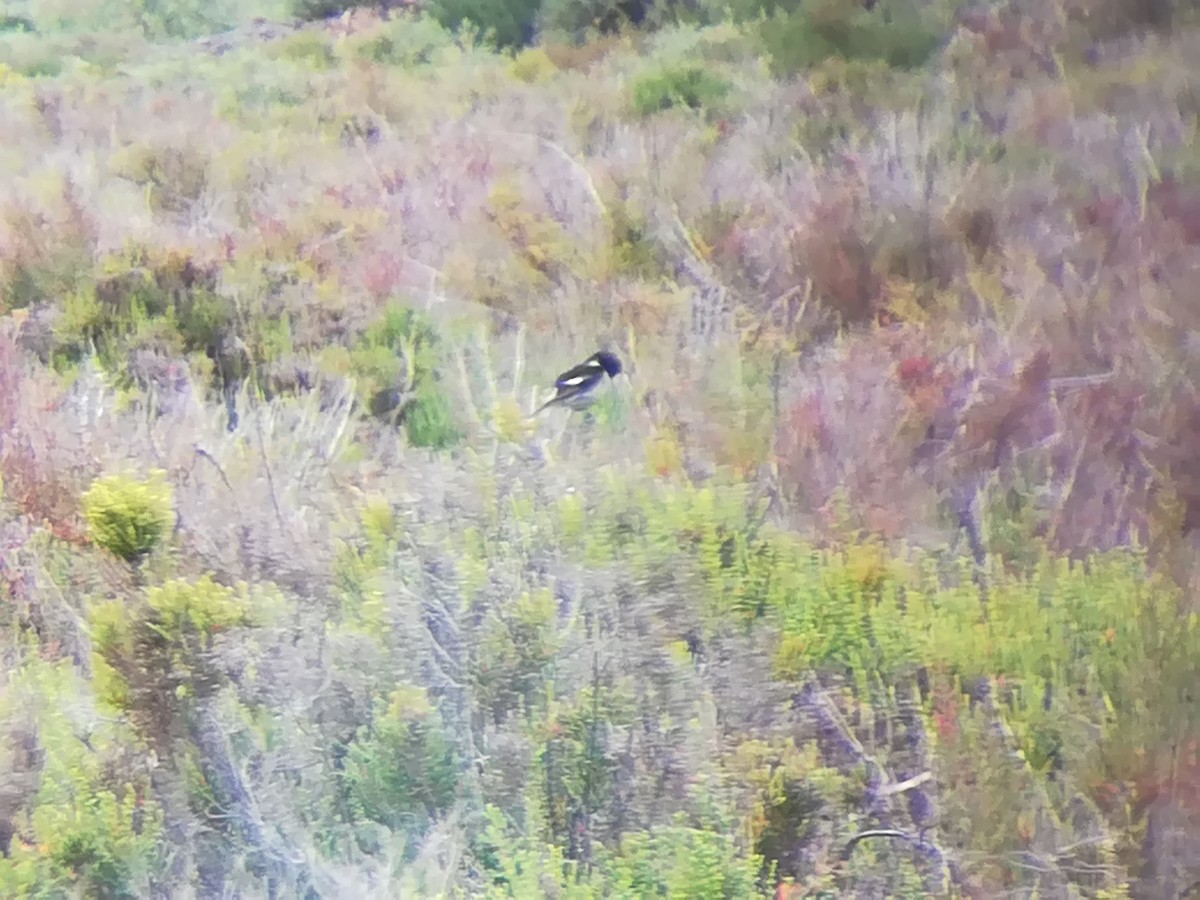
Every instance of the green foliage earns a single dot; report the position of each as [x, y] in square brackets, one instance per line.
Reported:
[129, 517]
[681, 861]
[152, 655]
[403, 771]
[515, 648]
[533, 66]
[174, 176]
[676, 860]
[175, 19]
[361, 567]
[202, 607]
[406, 42]
[431, 421]
[92, 858]
[51, 243]
[507, 24]
[309, 47]
[92, 828]
[522, 866]
[396, 363]
[902, 35]
[312, 10]
[112, 639]
[793, 791]
[575, 18]
[662, 531]
[143, 297]
[610, 411]
[632, 249]
[689, 86]
[401, 348]
[16, 23]
[1079, 651]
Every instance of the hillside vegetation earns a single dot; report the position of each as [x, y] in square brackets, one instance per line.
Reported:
[876, 574]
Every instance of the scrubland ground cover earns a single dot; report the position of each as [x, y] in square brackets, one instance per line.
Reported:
[877, 576]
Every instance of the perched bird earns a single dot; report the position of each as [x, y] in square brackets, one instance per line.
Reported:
[577, 387]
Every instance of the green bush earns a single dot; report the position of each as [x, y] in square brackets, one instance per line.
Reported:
[430, 420]
[129, 517]
[174, 19]
[142, 296]
[899, 34]
[403, 771]
[687, 86]
[396, 366]
[675, 860]
[678, 860]
[91, 857]
[153, 655]
[514, 653]
[17, 23]
[201, 606]
[507, 24]
[90, 825]
[312, 48]
[400, 349]
[174, 175]
[312, 10]
[575, 18]
[406, 42]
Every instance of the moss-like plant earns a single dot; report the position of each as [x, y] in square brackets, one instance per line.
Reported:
[129, 517]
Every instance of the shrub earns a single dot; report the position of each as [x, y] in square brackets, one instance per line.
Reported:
[406, 42]
[687, 86]
[148, 658]
[396, 364]
[430, 421]
[675, 860]
[174, 176]
[129, 517]
[50, 243]
[816, 30]
[504, 23]
[92, 858]
[312, 10]
[202, 606]
[17, 23]
[533, 66]
[575, 18]
[682, 861]
[309, 47]
[403, 771]
[89, 825]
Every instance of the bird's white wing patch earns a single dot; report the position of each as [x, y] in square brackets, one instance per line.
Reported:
[572, 382]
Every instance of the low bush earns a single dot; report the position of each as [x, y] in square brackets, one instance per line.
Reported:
[129, 517]
[690, 87]
[505, 24]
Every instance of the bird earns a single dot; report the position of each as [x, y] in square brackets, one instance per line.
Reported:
[577, 387]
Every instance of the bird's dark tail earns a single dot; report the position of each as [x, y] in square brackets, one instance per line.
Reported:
[545, 405]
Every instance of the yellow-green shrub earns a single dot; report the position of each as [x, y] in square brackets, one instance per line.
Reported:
[129, 517]
[176, 623]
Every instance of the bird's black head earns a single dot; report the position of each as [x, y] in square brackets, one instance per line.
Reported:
[608, 362]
